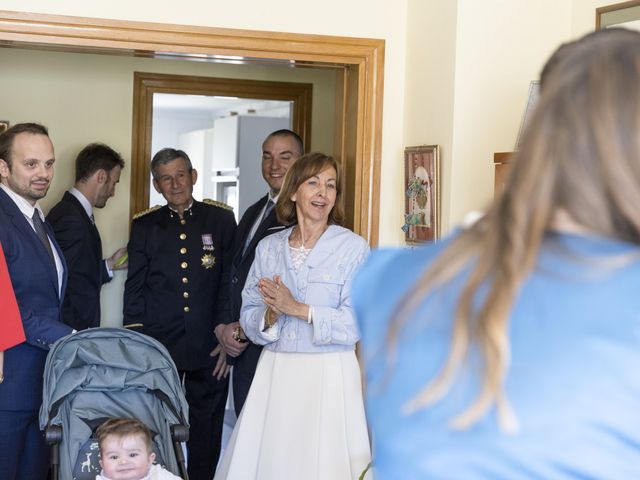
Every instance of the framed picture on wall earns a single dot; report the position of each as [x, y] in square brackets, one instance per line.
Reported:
[4, 124]
[422, 194]
[534, 93]
[622, 14]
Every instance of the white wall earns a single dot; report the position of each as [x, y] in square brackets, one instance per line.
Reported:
[501, 46]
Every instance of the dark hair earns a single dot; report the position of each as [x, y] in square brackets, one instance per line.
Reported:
[168, 155]
[284, 132]
[303, 169]
[94, 157]
[7, 137]
[123, 427]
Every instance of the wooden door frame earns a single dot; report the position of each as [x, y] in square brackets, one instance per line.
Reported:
[358, 131]
[146, 84]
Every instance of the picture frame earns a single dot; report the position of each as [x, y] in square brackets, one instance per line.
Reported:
[623, 14]
[422, 194]
[532, 100]
[4, 125]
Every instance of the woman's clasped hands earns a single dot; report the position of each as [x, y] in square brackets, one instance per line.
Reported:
[278, 299]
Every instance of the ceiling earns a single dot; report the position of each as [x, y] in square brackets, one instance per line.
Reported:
[219, 106]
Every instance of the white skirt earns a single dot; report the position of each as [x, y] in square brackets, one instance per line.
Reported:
[303, 420]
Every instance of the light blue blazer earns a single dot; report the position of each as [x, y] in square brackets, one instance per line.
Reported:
[324, 282]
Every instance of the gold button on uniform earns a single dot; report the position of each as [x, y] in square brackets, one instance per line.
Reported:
[183, 236]
[183, 250]
[182, 221]
[185, 294]
[184, 264]
[186, 309]
[185, 280]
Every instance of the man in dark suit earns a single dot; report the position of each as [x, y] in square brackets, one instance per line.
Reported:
[38, 273]
[177, 291]
[98, 170]
[279, 151]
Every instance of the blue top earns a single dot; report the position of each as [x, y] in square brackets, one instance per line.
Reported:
[574, 379]
[323, 281]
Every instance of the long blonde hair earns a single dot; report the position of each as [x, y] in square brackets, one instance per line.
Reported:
[580, 155]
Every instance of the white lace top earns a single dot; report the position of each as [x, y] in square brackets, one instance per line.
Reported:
[298, 256]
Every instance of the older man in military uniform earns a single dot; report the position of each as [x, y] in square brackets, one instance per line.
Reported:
[177, 292]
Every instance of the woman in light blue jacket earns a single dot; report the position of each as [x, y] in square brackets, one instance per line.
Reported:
[304, 415]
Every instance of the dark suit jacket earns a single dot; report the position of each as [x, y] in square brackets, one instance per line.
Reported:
[245, 363]
[242, 262]
[80, 241]
[177, 287]
[35, 284]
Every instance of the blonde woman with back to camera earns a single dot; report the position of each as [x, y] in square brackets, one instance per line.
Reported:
[511, 350]
[304, 414]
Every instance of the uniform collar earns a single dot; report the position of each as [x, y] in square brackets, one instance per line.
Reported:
[187, 211]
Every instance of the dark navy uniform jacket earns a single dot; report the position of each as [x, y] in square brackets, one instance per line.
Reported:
[177, 288]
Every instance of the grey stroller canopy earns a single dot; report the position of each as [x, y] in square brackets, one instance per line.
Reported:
[111, 372]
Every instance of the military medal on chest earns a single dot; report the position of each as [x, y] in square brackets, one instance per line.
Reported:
[208, 260]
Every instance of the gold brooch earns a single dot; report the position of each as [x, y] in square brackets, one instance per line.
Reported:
[208, 261]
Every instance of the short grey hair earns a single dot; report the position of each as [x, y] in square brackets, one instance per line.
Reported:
[167, 155]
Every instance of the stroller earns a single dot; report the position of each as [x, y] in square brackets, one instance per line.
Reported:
[100, 373]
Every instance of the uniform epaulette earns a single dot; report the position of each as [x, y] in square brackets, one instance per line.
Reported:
[148, 210]
[215, 203]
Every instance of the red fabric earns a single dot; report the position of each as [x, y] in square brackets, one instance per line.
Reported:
[11, 332]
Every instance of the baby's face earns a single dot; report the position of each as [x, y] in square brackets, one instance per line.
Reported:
[125, 458]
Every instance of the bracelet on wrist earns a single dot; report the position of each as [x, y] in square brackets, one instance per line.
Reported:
[268, 322]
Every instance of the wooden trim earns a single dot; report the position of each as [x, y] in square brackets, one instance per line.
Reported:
[146, 84]
[613, 8]
[361, 55]
[501, 162]
[502, 157]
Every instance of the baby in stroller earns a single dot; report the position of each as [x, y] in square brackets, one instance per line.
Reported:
[103, 373]
[126, 452]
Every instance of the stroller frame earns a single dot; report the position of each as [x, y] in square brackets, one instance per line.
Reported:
[111, 372]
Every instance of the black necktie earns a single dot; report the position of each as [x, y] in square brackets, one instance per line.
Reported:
[38, 225]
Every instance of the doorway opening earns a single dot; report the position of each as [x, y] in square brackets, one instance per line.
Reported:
[222, 124]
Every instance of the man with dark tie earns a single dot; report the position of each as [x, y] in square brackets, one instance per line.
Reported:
[279, 151]
[38, 274]
[98, 169]
[177, 291]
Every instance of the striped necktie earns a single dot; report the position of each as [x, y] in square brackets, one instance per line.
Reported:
[38, 225]
[267, 210]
